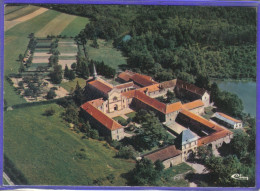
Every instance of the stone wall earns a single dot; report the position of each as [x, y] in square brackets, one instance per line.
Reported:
[173, 161]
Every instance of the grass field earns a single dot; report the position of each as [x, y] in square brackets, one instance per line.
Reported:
[20, 12]
[75, 26]
[106, 53]
[72, 84]
[56, 25]
[47, 152]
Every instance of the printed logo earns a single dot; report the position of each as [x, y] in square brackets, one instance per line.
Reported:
[239, 177]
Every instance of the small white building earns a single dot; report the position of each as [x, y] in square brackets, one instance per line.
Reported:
[228, 121]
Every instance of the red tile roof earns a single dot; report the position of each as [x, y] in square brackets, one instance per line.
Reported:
[150, 101]
[151, 88]
[100, 116]
[125, 85]
[101, 86]
[129, 94]
[201, 120]
[213, 137]
[142, 80]
[173, 107]
[126, 75]
[190, 87]
[169, 84]
[193, 104]
[97, 102]
[163, 154]
[230, 118]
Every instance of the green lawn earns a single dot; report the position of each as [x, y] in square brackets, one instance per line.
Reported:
[72, 84]
[208, 112]
[132, 114]
[168, 176]
[75, 27]
[119, 118]
[47, 152]
[106, 53]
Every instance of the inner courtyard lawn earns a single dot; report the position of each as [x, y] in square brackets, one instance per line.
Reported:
[47, 152]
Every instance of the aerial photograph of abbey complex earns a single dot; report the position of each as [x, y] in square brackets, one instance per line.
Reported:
[129, 95]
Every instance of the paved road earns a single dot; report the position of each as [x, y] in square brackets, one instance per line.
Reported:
[8, 180]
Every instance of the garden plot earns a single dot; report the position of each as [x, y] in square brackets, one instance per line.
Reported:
[68, 52]
[40, 59]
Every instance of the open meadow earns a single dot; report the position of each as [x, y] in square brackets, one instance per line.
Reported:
[48, 152]
[107, 53]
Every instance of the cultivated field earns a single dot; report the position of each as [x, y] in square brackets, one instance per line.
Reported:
[20, 12]
[56, 25]
[49, 153]
[75, 26]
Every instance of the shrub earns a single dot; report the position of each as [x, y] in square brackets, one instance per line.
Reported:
[93, 133]
[49, 112]
[51, 94]
[125, 152]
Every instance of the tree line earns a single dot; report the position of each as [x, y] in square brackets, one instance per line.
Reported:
[171, 41]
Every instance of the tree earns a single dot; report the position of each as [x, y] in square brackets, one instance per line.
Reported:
[66, 72]
[125, 152]
[71, 114]
[151, 133]
[204, 152]
[159, 166]
[144, 173]
[202, 81]
[170, 96]
[71, 75]
[20, 84]
[51, 94]
[56, 75]
[73, 66]
[239, 144]
[78, 94]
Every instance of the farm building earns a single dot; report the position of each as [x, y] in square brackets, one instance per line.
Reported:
[169, 156]
[227, 121]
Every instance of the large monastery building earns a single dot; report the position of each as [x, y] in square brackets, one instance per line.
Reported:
[138, 91]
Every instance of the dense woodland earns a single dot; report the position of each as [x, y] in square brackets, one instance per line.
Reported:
[172, 41]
